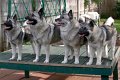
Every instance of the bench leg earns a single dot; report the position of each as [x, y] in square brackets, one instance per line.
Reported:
[115, 72]
[26, 74]
[104, 77]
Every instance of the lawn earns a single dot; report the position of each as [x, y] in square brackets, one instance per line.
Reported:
[117, 24]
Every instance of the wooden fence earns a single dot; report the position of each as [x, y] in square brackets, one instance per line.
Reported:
[107, 8]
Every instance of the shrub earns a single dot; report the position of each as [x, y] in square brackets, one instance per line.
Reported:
[117, 10]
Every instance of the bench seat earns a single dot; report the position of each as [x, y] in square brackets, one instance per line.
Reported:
[105, 69]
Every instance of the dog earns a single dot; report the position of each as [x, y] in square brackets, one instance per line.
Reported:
[43, 33]
[99, 37]
[14, 35]
[69, 28]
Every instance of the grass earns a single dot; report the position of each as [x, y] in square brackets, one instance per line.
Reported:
[117, 24]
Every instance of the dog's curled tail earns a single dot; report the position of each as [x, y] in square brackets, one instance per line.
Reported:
[110, 21]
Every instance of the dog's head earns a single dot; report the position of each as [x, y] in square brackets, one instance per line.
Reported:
[35, 18]
[64, 19]
[10, 23]
[86, 28]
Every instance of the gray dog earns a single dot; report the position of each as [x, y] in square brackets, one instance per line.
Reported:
[99, 37]
[14, 35]
[69, 28]
[43, 33]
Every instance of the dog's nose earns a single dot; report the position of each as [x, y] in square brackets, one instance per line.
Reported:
[80, 31]
[83, 28]
[4, 23]
[27, 17]
[58, 19]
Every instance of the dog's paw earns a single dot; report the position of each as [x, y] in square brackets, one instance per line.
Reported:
[19, 59]
[111, 58]
[36, 60]
[98, 63]
[63, 62]
[88, 63]
[76, 62]
[12, 59]
[105, 56]
[46, 61]
[70, 57]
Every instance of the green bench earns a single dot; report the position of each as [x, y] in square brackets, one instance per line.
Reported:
[105, 70]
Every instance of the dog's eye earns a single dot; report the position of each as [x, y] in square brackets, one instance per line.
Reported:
[32, 15]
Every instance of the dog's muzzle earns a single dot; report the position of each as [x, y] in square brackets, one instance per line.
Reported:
[83, 31]
[31, 21]
[58, 19]
[8, 25]
[59, 22]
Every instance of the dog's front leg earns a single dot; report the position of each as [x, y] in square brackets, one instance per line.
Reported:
[47, 51]
[87, 50]
[76, 52]
[91, 53]
[13, 51]
[99, 55]
[71, 53]
[33, 47]
[37, 51]
[19, 52]
[66, 54]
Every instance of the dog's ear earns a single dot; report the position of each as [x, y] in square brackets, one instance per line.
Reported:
[15, 17]
[91, 24]
[41, 12]
[8, 16]
[70, 14]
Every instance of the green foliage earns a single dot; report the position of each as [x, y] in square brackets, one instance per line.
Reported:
[104, 15]
[117, 25]
[117, 10]
[97, 1]
[86, 3]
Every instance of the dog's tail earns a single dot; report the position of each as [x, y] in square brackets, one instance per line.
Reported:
[109, 22]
